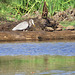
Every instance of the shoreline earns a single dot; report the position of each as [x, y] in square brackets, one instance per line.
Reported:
[36, 35]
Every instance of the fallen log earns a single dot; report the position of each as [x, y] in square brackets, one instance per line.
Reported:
[36, 35]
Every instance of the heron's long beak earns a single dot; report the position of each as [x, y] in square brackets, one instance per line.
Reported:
[34, 25]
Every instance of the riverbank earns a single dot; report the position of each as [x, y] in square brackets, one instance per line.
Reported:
[36, 35]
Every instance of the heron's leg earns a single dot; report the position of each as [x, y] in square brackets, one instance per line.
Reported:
[23, 30]
[26, 30]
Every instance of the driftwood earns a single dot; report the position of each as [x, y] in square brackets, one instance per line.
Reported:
[34, 35]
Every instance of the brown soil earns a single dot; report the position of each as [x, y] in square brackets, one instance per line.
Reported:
[40, 24]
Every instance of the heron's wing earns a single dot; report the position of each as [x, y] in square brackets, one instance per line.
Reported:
[21, 26]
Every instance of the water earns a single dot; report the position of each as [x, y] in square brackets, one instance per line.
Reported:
[45, 48]
[37, 58]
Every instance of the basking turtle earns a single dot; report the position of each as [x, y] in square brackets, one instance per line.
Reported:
[70, 28]
[49, 29]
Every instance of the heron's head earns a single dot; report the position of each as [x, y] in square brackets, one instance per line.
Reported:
[31, 22]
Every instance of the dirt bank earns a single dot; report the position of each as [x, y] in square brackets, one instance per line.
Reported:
[36, 35]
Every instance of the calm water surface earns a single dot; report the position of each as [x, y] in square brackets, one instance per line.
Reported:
[37, 58]
[40, 48]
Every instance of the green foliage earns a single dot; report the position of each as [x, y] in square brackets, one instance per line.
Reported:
[17, 8]
[67, 23]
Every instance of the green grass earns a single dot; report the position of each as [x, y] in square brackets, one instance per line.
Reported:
[67, 23]
[17, 8]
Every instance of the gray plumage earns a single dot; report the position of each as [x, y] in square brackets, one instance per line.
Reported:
[23, 25]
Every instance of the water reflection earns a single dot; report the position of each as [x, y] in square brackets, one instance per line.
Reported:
[41, 58]
[37, 65]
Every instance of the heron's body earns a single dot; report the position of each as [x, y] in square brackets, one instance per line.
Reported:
[23, 25]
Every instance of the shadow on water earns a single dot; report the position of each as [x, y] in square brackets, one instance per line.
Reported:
[37, 58]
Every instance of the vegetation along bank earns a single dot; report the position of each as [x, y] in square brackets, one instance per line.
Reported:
[53, 19]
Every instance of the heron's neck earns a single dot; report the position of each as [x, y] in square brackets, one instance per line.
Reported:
[30, 24]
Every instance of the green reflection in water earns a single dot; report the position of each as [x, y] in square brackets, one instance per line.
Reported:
[35, 64]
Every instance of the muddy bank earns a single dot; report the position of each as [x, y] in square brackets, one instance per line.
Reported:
[34, 35]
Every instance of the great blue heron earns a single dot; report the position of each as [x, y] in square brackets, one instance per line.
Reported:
[24, 25]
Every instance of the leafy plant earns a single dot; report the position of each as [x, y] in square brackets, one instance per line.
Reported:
[67, 23]
[20, 7]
